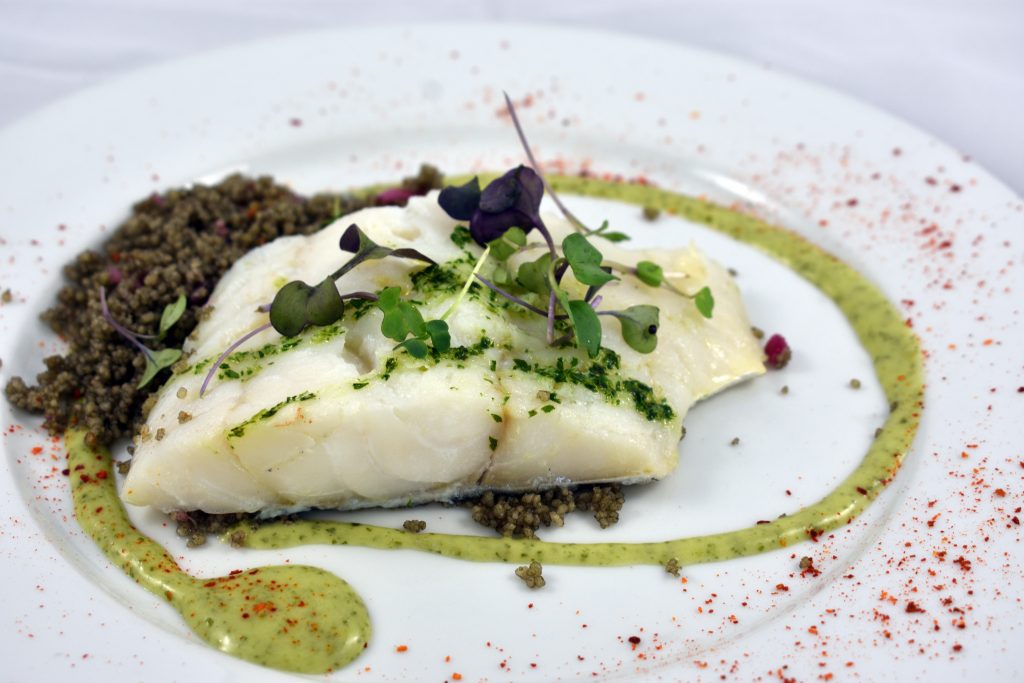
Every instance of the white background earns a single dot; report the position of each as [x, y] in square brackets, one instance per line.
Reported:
[953, 68]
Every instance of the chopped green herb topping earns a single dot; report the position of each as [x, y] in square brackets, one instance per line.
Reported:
[267, 413]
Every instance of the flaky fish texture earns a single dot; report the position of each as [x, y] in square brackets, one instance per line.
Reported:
[337, 418]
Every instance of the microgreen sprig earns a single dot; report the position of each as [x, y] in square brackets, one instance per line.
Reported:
[156, 360]
[500, 216]
[298, 305]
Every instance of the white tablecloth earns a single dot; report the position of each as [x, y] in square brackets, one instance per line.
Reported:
[952, 67]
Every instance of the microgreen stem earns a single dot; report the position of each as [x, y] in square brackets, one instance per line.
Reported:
[469, 282]
[577, 224]
[511, 297]
[631, 270]
[227, 352]
[349, 265]
[121, 329]
[551, 317]
[672, 288]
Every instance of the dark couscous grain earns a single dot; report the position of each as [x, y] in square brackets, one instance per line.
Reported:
[522, 514]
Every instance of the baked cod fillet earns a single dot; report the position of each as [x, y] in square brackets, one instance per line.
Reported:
[336, 418]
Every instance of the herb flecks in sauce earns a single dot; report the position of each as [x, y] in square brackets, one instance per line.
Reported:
[294, 617]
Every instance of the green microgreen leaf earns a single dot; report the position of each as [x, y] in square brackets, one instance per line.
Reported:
[649, 273]
[585, 260]
[440, 337]
[297, 305]
[639, 327]
[325, 305]
[613, 236]
[586, 326]
[401, 318]
[288, 310]
[509, 243]
[172, 313]
[501, 276]
[533, 275]
[417, 348]
[461, 236]
[705, 302]
[157, 361]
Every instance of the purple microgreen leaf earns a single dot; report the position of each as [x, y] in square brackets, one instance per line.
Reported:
[501, 193]
[356, 241]
[461, 201]
[576, 222]
[487, 227]
[406, 252]
[227, 352]
[513, 200]
[369, 296]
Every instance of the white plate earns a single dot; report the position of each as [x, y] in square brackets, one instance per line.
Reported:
[335, 109]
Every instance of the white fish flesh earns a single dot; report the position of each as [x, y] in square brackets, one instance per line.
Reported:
[336, 418]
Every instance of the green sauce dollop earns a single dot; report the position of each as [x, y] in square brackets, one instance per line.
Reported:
[294, 617]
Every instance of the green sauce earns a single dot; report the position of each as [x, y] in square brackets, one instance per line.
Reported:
[303, 596]
[294, 617]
